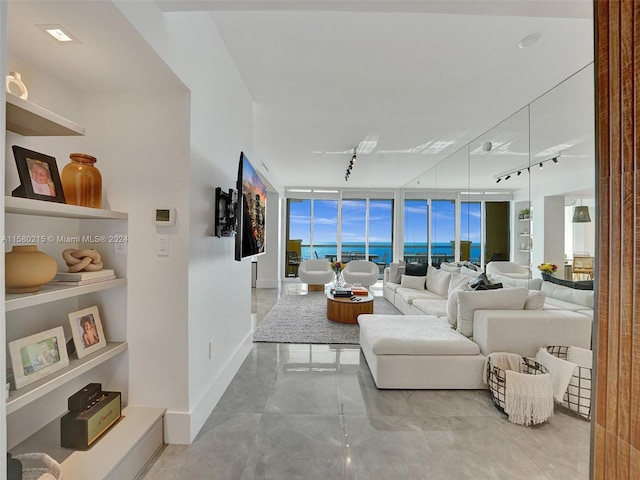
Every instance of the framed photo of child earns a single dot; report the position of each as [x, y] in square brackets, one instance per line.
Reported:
[39, 177]
[87, 331]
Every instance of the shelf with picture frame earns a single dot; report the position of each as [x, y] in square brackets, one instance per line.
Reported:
[32, 407]
[26, 395]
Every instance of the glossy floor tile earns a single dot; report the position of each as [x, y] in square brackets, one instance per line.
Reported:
[313, 412]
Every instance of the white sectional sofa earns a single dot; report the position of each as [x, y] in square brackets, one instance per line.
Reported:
[446, 331]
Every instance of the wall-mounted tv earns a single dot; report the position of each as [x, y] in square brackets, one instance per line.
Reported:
[251, 211]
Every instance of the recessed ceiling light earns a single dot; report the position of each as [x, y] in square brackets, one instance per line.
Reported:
[529, 40]
[59, 33]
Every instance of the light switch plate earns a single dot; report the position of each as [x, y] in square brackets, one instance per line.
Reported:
[163, 246]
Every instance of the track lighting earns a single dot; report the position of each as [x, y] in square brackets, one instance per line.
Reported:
[507, 175]
[350, 167]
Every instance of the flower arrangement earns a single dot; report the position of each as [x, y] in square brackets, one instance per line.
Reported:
[548, 268]
[337, 266]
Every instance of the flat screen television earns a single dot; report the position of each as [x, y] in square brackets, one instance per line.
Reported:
[251, 211]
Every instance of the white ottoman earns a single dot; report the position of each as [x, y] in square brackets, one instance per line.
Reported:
[419, 352]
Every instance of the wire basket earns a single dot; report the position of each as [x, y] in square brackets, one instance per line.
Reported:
[577, 398]
[497, 379]
[39, 466]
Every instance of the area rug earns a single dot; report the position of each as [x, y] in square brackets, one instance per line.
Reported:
[303, 319]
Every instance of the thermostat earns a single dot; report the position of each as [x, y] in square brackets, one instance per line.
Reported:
[165, 217]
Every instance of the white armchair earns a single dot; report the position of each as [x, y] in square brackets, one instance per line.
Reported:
[316, 273]
[361, 271]
[507, 269]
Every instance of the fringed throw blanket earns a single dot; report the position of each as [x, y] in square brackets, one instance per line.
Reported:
[528, 398]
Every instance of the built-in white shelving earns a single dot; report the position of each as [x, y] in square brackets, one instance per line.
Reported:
[36, 390]
[27, 206]
[29, 119]
[53, 293]
[122, 452]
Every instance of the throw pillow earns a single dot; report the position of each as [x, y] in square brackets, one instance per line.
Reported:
[438, 282]
[416, 269]
[452, 305]
[411, 281]
[503, 299]
[535, 300]
[394, 272]
[450, 267]
[457, 280]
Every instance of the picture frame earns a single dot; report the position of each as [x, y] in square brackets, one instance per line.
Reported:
[39, 177]
[87, 331]
[36, 356]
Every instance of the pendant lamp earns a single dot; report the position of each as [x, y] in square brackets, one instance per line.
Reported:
[581, 215]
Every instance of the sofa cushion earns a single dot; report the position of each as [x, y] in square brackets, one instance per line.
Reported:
[416, 269]
[560, 292]
[438, 281]
[452, 306]
[531, 284]
[408, 295]
[414, 335]
[502, 299]
[430, 306]
[535, 300]
[410, 281]
[392, 286]
[551, 303]
[395, 270]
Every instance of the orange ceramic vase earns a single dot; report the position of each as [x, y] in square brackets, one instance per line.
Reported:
[26, 269]
[82, 182]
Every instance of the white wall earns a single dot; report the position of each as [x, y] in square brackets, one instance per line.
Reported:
[220, 127]
[270, 264]
[143, 153]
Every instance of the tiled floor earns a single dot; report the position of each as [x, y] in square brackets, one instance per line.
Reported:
[313, 412]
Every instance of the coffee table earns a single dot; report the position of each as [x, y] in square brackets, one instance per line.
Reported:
[345, 310]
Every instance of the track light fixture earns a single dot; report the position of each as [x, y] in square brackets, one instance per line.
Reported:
[518, 171]
[351, 163]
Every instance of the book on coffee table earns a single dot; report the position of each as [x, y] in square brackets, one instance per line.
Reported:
[342, 292]
[359, 291]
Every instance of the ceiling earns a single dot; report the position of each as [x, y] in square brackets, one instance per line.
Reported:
[406, 83]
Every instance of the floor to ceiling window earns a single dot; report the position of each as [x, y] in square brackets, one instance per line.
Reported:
[366, 230]
[471, 232]
[443, 231]
[354, 229]
[381, 231]
[416, 229]
[324, 239]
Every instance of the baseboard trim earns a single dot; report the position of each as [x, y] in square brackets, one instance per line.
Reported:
[181, 428]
